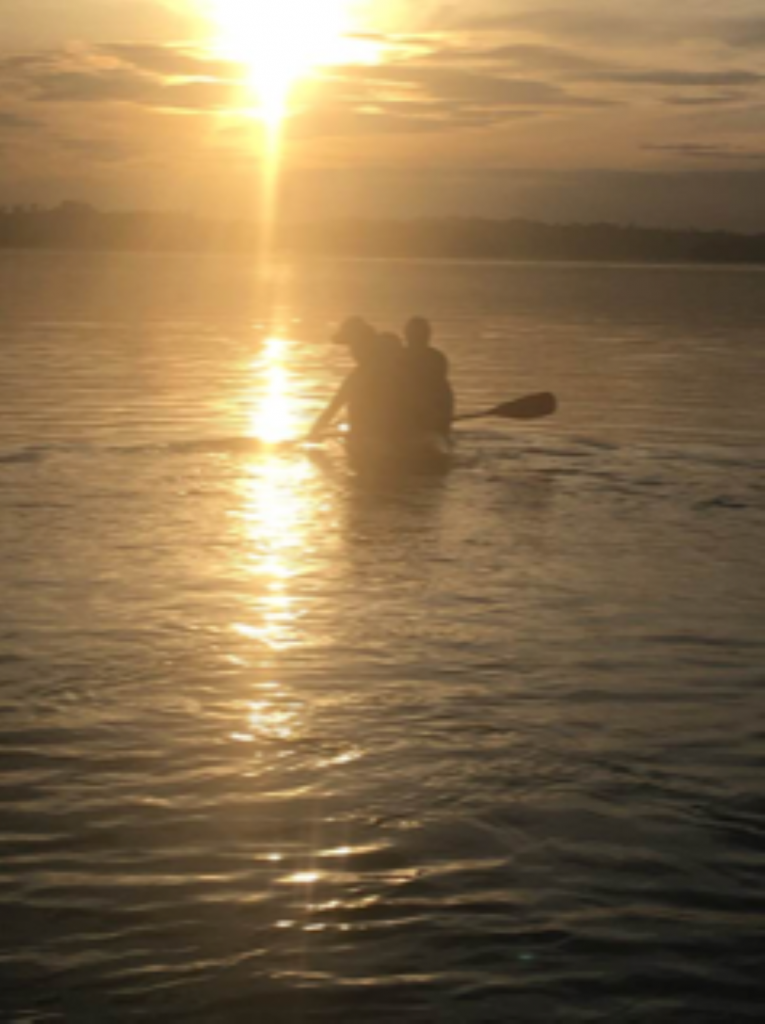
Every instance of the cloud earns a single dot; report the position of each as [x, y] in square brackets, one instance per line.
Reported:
[456, 85]
[16, 122]
[534, 56]
[98, 150]
[706, 150]
[21, 68]
[720, 99]
[607, 22]
[578, 67]
[90, 86]
[671, 77]
[162, 77]
[340, 122]
[125, 85]
[53, 22]
[172, 78]
[404, 118]
[168, 61]
[591, 26]
[743, 33]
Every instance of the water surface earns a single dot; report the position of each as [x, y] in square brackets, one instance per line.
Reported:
[282, 744]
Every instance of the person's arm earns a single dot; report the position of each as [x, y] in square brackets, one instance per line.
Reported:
[338, 403]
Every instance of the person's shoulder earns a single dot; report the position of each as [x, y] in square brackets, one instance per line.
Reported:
[351, 380]
[438, 359]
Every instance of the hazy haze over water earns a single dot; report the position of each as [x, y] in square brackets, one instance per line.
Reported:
[279, 743]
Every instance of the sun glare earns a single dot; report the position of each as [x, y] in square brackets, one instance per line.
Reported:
[280, 42]
[280, 45]
[273, 419]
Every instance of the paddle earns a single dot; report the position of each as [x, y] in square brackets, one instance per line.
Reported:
[531, 407]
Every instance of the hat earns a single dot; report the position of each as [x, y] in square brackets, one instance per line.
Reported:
[351, 330]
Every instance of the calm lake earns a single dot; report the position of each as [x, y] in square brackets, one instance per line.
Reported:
[280, 744]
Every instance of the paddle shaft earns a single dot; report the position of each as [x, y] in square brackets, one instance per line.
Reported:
[473, 416]
[530, 407]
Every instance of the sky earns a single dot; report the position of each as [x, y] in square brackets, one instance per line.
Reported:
[573, 111]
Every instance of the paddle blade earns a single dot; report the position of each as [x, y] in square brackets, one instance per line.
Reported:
[531, 407]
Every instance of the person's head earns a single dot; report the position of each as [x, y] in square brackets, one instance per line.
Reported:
[354, 330]
[418, 332]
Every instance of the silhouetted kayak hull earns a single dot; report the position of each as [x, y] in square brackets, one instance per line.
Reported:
[423, 453]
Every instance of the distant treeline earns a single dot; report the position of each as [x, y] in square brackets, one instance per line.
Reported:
[79, 226]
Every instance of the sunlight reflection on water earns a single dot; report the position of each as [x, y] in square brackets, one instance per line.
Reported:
[261, 721]
[275, 505]
[274, 417]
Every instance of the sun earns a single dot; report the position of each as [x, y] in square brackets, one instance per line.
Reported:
[280, 42]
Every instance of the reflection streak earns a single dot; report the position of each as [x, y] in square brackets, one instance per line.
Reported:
[275, 509]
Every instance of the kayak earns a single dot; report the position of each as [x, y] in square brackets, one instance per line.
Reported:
[428, 452]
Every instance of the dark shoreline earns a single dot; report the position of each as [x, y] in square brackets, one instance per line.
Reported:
[79, 227]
